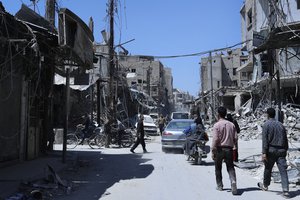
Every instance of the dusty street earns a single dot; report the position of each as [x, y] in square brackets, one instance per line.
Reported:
[118, 174]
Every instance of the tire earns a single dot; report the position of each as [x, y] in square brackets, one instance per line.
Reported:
[96, 141]
[101, 140]
[72, 141]
[127, 141]
[188, 158]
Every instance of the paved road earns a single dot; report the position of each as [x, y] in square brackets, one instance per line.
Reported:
[113, 174]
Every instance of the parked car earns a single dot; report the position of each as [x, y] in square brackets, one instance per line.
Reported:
[149, 126]
[173, 136]
[180, 115]
[154, 117]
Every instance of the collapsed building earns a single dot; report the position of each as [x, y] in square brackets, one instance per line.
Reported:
[272, 29]
[32, 53]
[265, 70]
[149, 77]
[222, 83]
[26, 57]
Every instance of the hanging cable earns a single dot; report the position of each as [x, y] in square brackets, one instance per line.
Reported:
[182, 55]
[11, 66]
[282, 14]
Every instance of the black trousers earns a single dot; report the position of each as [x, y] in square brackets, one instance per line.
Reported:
[161, 127]
[139, 140]
[225, 154]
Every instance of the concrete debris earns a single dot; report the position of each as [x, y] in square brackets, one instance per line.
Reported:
[254, 165]
[251, 123]
[251, 128]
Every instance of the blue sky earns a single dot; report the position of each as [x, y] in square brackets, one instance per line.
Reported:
[162, 27]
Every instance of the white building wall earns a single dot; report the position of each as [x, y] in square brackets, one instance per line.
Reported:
[290, 8]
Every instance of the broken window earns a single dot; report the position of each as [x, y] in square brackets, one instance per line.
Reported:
[133, 70]
[249, 18]
[244, 74]
[218, 84]
[140, 81]
[133, 83]
[264, 63]
[234, 71]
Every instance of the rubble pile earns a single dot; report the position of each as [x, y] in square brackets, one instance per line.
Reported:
[251, 128]
[48, 188]
[251, 123]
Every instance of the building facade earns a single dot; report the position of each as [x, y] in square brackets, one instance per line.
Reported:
[272, 31]
[148, 75]
[182, 100]
[228, 81]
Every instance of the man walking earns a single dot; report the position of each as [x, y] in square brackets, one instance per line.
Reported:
[238, 130]
[161, 123]
[224, 140]
[140, 135]
[274, 149]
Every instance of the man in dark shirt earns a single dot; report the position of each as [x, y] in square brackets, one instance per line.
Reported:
[140, 135]
[198, 120]
[274, 149]
[161, 123]
[238, 130]
[87, 123]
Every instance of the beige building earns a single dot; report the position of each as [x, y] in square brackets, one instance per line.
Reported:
[228, 81]
[148, 75]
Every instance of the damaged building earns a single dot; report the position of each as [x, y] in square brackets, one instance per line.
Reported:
[265, 70]
[33, 52]
[147, 75]
[26, 56]
[225, 81]
[272, 29]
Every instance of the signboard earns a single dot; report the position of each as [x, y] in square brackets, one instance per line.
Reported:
[76, 36]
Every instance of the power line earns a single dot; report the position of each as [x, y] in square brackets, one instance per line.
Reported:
[183, 55]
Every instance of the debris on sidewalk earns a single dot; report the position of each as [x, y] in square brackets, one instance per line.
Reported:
[251, 128]
[250, 162]
[48, 187]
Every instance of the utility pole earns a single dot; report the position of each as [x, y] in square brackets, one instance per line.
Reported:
[50, 11]
[149, 80]
[278, 89]
[91, 27]
[66, 124]
[212, 103]
[34, 4]
[273, 58]
[111, 52]
[49, 71]
[99, 93]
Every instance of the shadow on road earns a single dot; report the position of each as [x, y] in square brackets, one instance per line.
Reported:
[242, 190]
[94, 173]
[250, 189]
[173, 151]
[295, 193]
